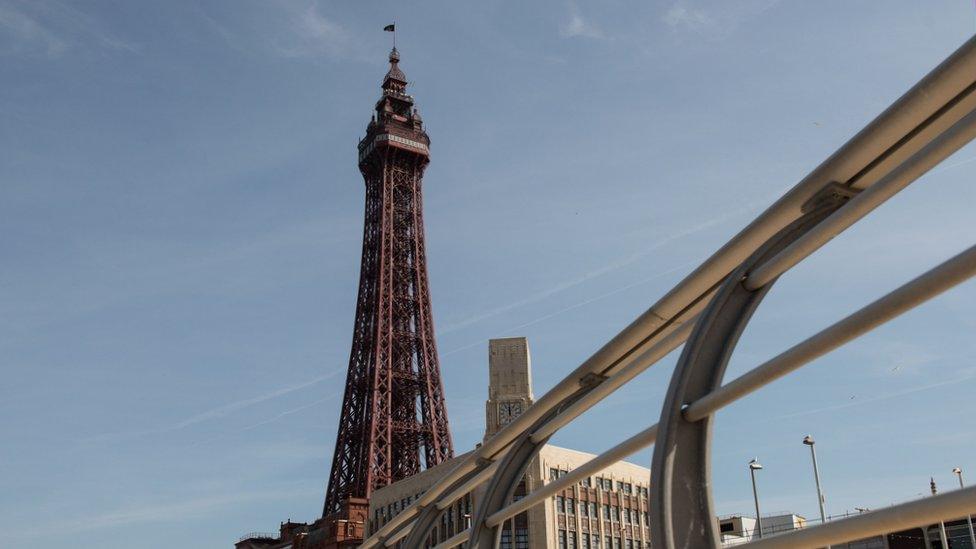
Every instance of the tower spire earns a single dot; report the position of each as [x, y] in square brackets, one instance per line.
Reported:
[395, 80]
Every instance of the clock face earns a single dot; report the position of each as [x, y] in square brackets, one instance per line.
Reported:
[507, 411]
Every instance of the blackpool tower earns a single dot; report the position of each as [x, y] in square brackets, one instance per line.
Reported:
[394, 421]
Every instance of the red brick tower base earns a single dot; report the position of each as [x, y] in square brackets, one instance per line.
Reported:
[342, 530]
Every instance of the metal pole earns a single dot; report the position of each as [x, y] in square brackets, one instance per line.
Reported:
[808, 440]
[944, 541]
[754, 466]
[969, 517]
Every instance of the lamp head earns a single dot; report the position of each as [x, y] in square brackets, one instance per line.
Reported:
[808, 440]
[957, 470]
[755, 465]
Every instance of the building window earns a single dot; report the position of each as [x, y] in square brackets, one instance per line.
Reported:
[506, 539]
[571, 540]
[586, 482]
[571, 506]
[585, 541]
[629, 544]
[562, 539]
[560, 504]
[625, 487]
[616, 513]
[616, 543]
[592, 506]
[606, 511]
[521, 538]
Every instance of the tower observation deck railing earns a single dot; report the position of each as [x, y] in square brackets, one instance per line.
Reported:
[706, 312]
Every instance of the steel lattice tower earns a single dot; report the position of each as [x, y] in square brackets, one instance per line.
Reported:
[393, 411]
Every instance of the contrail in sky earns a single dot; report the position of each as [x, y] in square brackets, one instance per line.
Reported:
[289, 412]
[576, 306]
[858, 402]
[613, 266]
[220, 411]
[954, 165]
[226, 409]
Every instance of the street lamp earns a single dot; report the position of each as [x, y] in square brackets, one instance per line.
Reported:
[969, 518]
[754, 466]
[808, 440]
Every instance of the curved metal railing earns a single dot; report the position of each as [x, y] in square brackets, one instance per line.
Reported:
[706, 312]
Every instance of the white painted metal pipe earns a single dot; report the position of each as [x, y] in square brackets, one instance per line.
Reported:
[906, 297]
[938, 150]
[472, 483]
[454, 541]
[920, 512]
[639, 364]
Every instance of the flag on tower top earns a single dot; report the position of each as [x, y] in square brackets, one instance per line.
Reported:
[390, 28]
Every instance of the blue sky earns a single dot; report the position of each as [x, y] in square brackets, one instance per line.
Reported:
[182, 212]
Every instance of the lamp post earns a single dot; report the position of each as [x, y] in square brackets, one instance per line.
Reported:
[754, 466]
[969, 518]
[942, 531]
[808, 440]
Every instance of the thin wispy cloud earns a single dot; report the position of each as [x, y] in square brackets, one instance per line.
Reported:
[52, 30]
[714, 19]
[312, 33]
[681, 16]
[578, 26]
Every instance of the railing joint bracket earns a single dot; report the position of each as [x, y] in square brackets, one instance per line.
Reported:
[832, 193]
[592, 379]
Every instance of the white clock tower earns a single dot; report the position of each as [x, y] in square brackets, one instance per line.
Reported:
[509, 382]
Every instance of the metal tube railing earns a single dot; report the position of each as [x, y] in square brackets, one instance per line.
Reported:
[454, 541]
[639, 364]
[920, 512]
[398, 535]
[470, 484]
[924, 160]
[906, 297]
